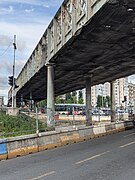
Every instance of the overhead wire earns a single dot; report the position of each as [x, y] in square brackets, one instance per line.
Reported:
[6, 49]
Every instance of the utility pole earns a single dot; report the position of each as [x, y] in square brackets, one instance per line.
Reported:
[102, 97]
[13, 88]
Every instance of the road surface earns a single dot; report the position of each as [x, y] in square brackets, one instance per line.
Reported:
[108, 158]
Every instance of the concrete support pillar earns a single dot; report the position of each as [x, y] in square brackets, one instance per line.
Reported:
[88, 102]
[50, 95]
[15, 100]
[112, 101]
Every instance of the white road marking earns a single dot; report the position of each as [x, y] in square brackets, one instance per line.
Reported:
[127, 144]
[44, 175]
[130, 134]
[92, 157]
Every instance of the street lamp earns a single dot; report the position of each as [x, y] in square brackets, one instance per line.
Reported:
[13, 87]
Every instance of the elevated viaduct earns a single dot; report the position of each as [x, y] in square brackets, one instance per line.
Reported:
[88, 42]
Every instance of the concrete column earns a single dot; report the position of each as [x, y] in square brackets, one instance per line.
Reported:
[112, 85]
[88, 102]
[15, 100]
[50, 95]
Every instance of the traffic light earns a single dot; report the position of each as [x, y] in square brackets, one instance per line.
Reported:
[10, 80]
[125, 98]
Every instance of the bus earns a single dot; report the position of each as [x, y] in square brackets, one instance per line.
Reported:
[68, 109]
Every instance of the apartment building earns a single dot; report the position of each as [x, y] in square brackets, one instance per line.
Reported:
[121, 92]
[131, 93]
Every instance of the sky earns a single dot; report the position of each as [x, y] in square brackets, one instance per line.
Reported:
[27, 19]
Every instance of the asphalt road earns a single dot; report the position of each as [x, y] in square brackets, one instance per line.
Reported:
[108, 158]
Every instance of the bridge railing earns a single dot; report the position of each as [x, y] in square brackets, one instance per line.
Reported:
[71, 16]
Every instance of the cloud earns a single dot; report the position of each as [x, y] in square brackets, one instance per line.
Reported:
[21, 45]
[3, 79]
[34, 2]
[5, 40]
[28, 20]
[7, 10]
[46, 6]
[19, 65]
[29, 10]
[7, 68]
[27, 35]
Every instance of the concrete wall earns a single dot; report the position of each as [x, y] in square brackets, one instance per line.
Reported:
[12, 111]
[23, 145]
[95, 118]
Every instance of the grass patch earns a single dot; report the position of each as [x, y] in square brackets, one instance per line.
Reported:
[18, 125]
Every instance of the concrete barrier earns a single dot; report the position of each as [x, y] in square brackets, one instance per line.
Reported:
[85, 133]
[99, 131]
[110, 128]
[3, 150]
[23, 145]
[128, 124]
[48, 140]
[119, 126]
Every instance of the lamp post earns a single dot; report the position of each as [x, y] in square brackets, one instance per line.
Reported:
[13, 88]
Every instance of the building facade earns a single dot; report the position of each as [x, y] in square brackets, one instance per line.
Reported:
[1, 102]
[131, 93]
[121, 92]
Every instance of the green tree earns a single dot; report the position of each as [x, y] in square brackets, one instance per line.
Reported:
[99, 101]
[108, 101]
[71, 98]
[42, 103]
[74, 93]
[68, 96]
[59, 100]
[74, 99]
[80, 99]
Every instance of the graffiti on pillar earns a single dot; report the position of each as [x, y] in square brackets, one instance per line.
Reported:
[50, 116]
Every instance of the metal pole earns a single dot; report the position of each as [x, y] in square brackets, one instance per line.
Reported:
[112, 102]
[13, 88]
[73, 115]
[99, 114]
[37, 130]
[31, 101]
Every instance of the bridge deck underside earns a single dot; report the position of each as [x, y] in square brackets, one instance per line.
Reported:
[104, 49]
